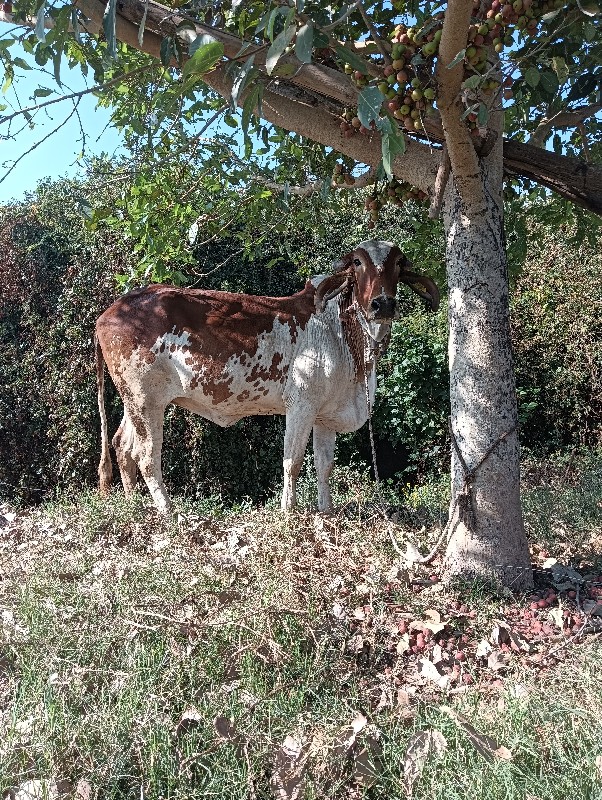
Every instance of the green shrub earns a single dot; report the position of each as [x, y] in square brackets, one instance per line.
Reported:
[58, 276]
[557, 333]
[413, 394]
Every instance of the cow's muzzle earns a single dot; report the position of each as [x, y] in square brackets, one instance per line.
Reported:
[383, 308]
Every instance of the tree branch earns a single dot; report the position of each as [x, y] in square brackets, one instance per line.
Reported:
[563, 119]
[39, 142]
[463, 158]
[417, 166]
[374, 34]
[162, 22]
[552, 170]
[440, 184]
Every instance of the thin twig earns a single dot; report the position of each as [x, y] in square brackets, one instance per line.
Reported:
[374, 34]
[38, 143]
[74, 95]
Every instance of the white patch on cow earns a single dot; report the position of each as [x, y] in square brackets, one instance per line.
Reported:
[169, 340]
[377, 250]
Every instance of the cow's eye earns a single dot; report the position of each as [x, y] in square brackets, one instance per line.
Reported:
[357, 262]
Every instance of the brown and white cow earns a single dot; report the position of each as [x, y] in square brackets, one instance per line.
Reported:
[311, 357]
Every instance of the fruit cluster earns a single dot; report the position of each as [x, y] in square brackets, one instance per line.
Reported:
[408, 82]
[341, 177]
[350, 124]
[395, 192]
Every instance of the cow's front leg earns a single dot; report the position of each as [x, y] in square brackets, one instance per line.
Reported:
[299, 423]
[324, 441]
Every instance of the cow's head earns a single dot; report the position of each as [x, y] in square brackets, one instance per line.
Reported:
[371, 272]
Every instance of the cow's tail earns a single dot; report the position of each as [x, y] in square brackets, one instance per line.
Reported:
[105, 468]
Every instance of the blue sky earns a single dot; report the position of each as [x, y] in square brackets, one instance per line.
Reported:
[61, 154]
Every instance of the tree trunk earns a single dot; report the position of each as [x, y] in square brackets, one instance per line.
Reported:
[486, 536]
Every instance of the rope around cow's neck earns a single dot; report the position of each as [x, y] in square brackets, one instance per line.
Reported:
[373, 349]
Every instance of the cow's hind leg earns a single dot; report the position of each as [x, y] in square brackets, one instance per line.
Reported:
[123, 442]
[324, 442]
[146, 451]
[298, 428]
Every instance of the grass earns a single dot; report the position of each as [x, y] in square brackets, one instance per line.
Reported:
[145, 658]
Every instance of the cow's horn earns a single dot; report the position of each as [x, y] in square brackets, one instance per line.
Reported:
[425, 287]
[329, 288]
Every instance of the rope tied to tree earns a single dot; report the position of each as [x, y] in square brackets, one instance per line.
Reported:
[465, 501]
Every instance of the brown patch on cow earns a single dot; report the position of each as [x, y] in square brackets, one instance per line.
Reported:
[219, 391]
[219, 325]
[277, 374]
[243, 396]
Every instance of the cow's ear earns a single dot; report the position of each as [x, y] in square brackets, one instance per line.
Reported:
[425, 287]
[329, 288]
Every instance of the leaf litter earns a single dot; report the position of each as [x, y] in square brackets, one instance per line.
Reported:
[402, 637]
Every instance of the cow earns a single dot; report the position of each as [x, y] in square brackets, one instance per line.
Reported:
[311, 357]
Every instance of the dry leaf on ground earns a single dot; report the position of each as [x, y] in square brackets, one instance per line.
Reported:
[486, 746]
[419, 747]
[290, 764]
[36, 790]
[367, 761]
[189, 719]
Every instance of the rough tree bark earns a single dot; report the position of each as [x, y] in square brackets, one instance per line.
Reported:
[486, 535]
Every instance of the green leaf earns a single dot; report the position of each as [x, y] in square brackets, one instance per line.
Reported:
[108, 26]
[549, 82]
[589, 31]
[456, 60]
[590, 7]
[166, 51]
[277, 48]
[56, 64]
[75, 26]
[201, 40]
[349, 57]
[393, 144]
[240, 82]
[40, 30]
[560, 68]
[205, 56]
[369, 104]
[472, 82]
[483, 115]
[21, 63]
[249, 106]
[42, 92]
[269, 28]
[532, 77]
[304, 43]
[231, 121]
[321, 40]
[583, 86]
